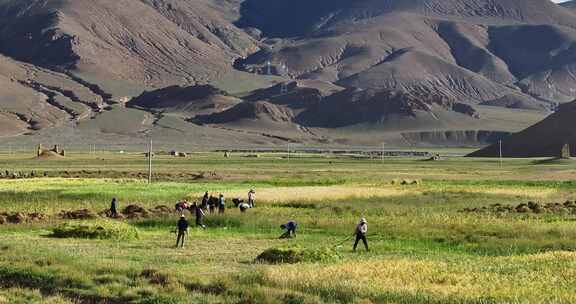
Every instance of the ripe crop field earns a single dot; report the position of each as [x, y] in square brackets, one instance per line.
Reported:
[435, 233]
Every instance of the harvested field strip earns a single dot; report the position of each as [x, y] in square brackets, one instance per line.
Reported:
[321, 193]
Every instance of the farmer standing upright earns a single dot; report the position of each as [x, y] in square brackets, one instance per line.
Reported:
[251, 197]
[114, 208]
[199, 215]
[361, 230]
[182, 227]
[221, 204]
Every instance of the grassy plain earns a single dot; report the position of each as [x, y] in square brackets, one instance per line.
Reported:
[423, 248]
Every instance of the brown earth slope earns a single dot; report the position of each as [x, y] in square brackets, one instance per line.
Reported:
[544, 139]
[149, 42]
[33, 98]
[471, 50]
[351, 69]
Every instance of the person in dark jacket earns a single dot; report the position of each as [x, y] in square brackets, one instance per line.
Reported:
[199, 212]
[114, 208]
[289, 230]
[182, 228]
[212, 202]
[221, 204]
[361, 230]
[205, 199]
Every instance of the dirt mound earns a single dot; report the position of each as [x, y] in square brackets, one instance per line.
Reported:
[162, 209]
[49, 155]
[211, 175]
[19, 217]
[568, 207]
[406, 182]
[134, 212]
[82, 214]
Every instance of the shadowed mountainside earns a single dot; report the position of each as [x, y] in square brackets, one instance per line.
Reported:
[301, 71]
[544, 139]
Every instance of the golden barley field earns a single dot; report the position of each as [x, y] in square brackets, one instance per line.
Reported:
[453, 231]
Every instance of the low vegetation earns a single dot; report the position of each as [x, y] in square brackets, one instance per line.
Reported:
[423, 247]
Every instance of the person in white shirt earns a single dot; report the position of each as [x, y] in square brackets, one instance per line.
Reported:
[361, 230]
[251, 197]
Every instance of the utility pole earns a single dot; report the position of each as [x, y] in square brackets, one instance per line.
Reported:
[500, 148]
[150, 162]
[288, 145]
[383, 145]
[284, 85]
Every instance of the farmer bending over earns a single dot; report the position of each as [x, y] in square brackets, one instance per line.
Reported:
[290, 230]
[243, 207]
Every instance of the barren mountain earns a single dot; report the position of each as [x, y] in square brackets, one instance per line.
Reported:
[471, 50]
[33, 98]
[148, 42]
[544, 139]
[269, 71]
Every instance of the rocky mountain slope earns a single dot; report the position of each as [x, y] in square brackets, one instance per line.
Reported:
[152, 42]
[470, 50]
[317, 72]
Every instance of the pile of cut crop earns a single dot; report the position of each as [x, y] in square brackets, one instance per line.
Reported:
[297, 255]
[568, 207]
[98, 229]
[19, 217]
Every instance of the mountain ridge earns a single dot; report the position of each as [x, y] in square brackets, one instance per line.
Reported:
[102, 59]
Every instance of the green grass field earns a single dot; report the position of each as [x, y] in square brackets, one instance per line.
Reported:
[424, 249]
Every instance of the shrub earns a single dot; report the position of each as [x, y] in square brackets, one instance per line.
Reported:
[100, 229]
[297, 255]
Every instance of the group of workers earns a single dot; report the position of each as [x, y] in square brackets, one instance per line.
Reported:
[209, 203]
